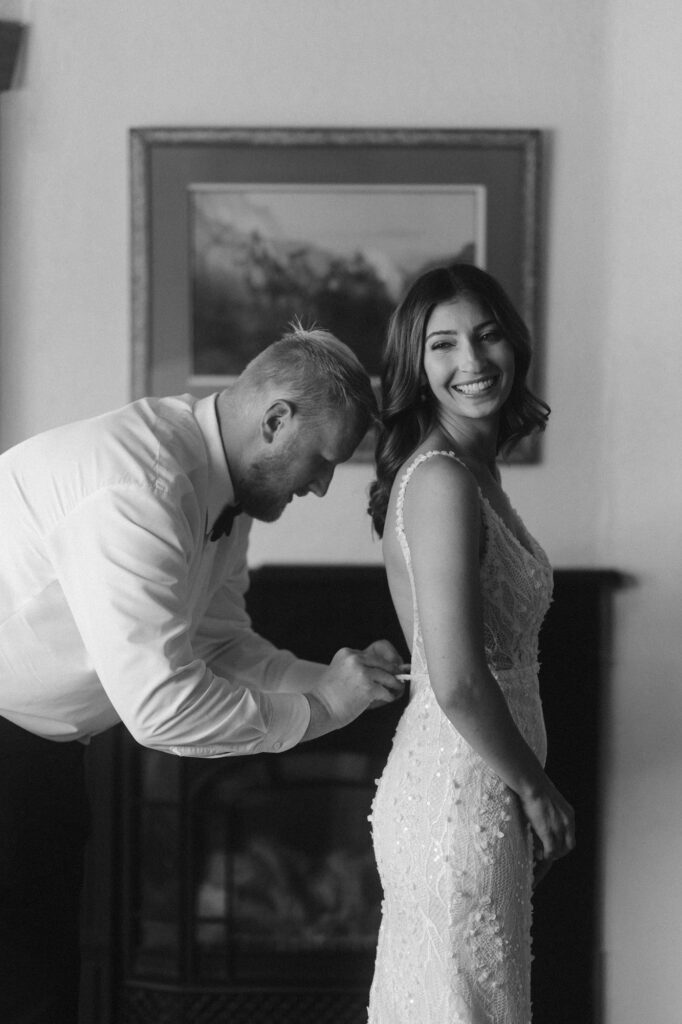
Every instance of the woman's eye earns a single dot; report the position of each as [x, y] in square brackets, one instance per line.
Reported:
[492, 335]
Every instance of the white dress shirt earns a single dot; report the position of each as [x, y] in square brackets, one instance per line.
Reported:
[115, 605]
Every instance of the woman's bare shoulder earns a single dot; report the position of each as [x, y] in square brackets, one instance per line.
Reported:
[437, 472]
[439, 491]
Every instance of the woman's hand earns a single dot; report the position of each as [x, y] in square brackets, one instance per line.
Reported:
[553, 822]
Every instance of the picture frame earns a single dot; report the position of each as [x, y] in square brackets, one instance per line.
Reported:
[237, 230]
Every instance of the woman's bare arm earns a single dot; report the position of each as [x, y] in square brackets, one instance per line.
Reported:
[442, 523]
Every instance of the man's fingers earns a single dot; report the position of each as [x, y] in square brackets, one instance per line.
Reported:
[382, 654]
[387, 681]
[382, 697]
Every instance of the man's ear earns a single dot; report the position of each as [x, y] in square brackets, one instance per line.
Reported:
[277, 417]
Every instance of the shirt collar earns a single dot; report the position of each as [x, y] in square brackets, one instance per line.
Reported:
[220, 486]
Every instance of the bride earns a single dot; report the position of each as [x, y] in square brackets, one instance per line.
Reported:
[464, 814]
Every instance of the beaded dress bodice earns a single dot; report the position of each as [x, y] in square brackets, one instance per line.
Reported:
[453, 849]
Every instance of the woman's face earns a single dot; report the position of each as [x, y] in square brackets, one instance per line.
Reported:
[468, 361]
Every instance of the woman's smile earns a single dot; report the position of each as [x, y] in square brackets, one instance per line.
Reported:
[480, 386]
[468, 362]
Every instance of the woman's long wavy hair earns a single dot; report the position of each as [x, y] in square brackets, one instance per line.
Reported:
[407, 415]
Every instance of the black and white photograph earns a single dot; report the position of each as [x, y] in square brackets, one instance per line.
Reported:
[409, 753]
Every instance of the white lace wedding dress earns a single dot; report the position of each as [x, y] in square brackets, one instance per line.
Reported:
[453, 850]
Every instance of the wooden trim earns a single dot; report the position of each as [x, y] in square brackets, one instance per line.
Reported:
[11, 34]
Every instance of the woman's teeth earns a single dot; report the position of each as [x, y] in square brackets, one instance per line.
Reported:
[476, 387]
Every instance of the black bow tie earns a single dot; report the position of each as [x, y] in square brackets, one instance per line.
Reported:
[223, 524]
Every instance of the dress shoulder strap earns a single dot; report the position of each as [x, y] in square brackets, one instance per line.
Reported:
[405, 479]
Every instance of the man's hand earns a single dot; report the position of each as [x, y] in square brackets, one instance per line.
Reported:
[353, 681]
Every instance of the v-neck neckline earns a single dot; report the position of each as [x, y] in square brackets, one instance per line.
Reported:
[526, 550]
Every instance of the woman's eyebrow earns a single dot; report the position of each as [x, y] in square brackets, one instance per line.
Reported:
[453, 330]
[434, 334]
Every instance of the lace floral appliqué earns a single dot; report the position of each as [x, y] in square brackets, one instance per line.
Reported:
[453, 850]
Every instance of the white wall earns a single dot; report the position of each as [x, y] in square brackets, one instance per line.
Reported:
[641, 507]
[600, 76]
[93, 70]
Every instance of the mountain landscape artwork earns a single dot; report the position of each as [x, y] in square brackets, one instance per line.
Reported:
[337, 257]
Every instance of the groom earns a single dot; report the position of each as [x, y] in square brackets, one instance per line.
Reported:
[123, 544]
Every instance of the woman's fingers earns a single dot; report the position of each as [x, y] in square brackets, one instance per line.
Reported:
[552, 819]
[540, 870]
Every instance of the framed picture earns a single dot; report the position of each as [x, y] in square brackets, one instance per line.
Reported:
[236, 232]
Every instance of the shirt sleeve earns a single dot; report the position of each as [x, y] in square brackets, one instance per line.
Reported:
[227, 642]
[122, 559]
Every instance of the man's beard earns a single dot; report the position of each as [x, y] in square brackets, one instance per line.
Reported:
[265, 489]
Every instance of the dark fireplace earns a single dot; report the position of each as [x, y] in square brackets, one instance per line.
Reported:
[253, 893]
[246, 892]
[257, 875]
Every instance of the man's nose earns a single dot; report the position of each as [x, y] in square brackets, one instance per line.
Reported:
[320, 485]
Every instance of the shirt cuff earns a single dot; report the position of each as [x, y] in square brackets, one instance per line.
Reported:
[289, 719]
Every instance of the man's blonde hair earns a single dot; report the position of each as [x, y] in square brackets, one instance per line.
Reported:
[318, 373]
